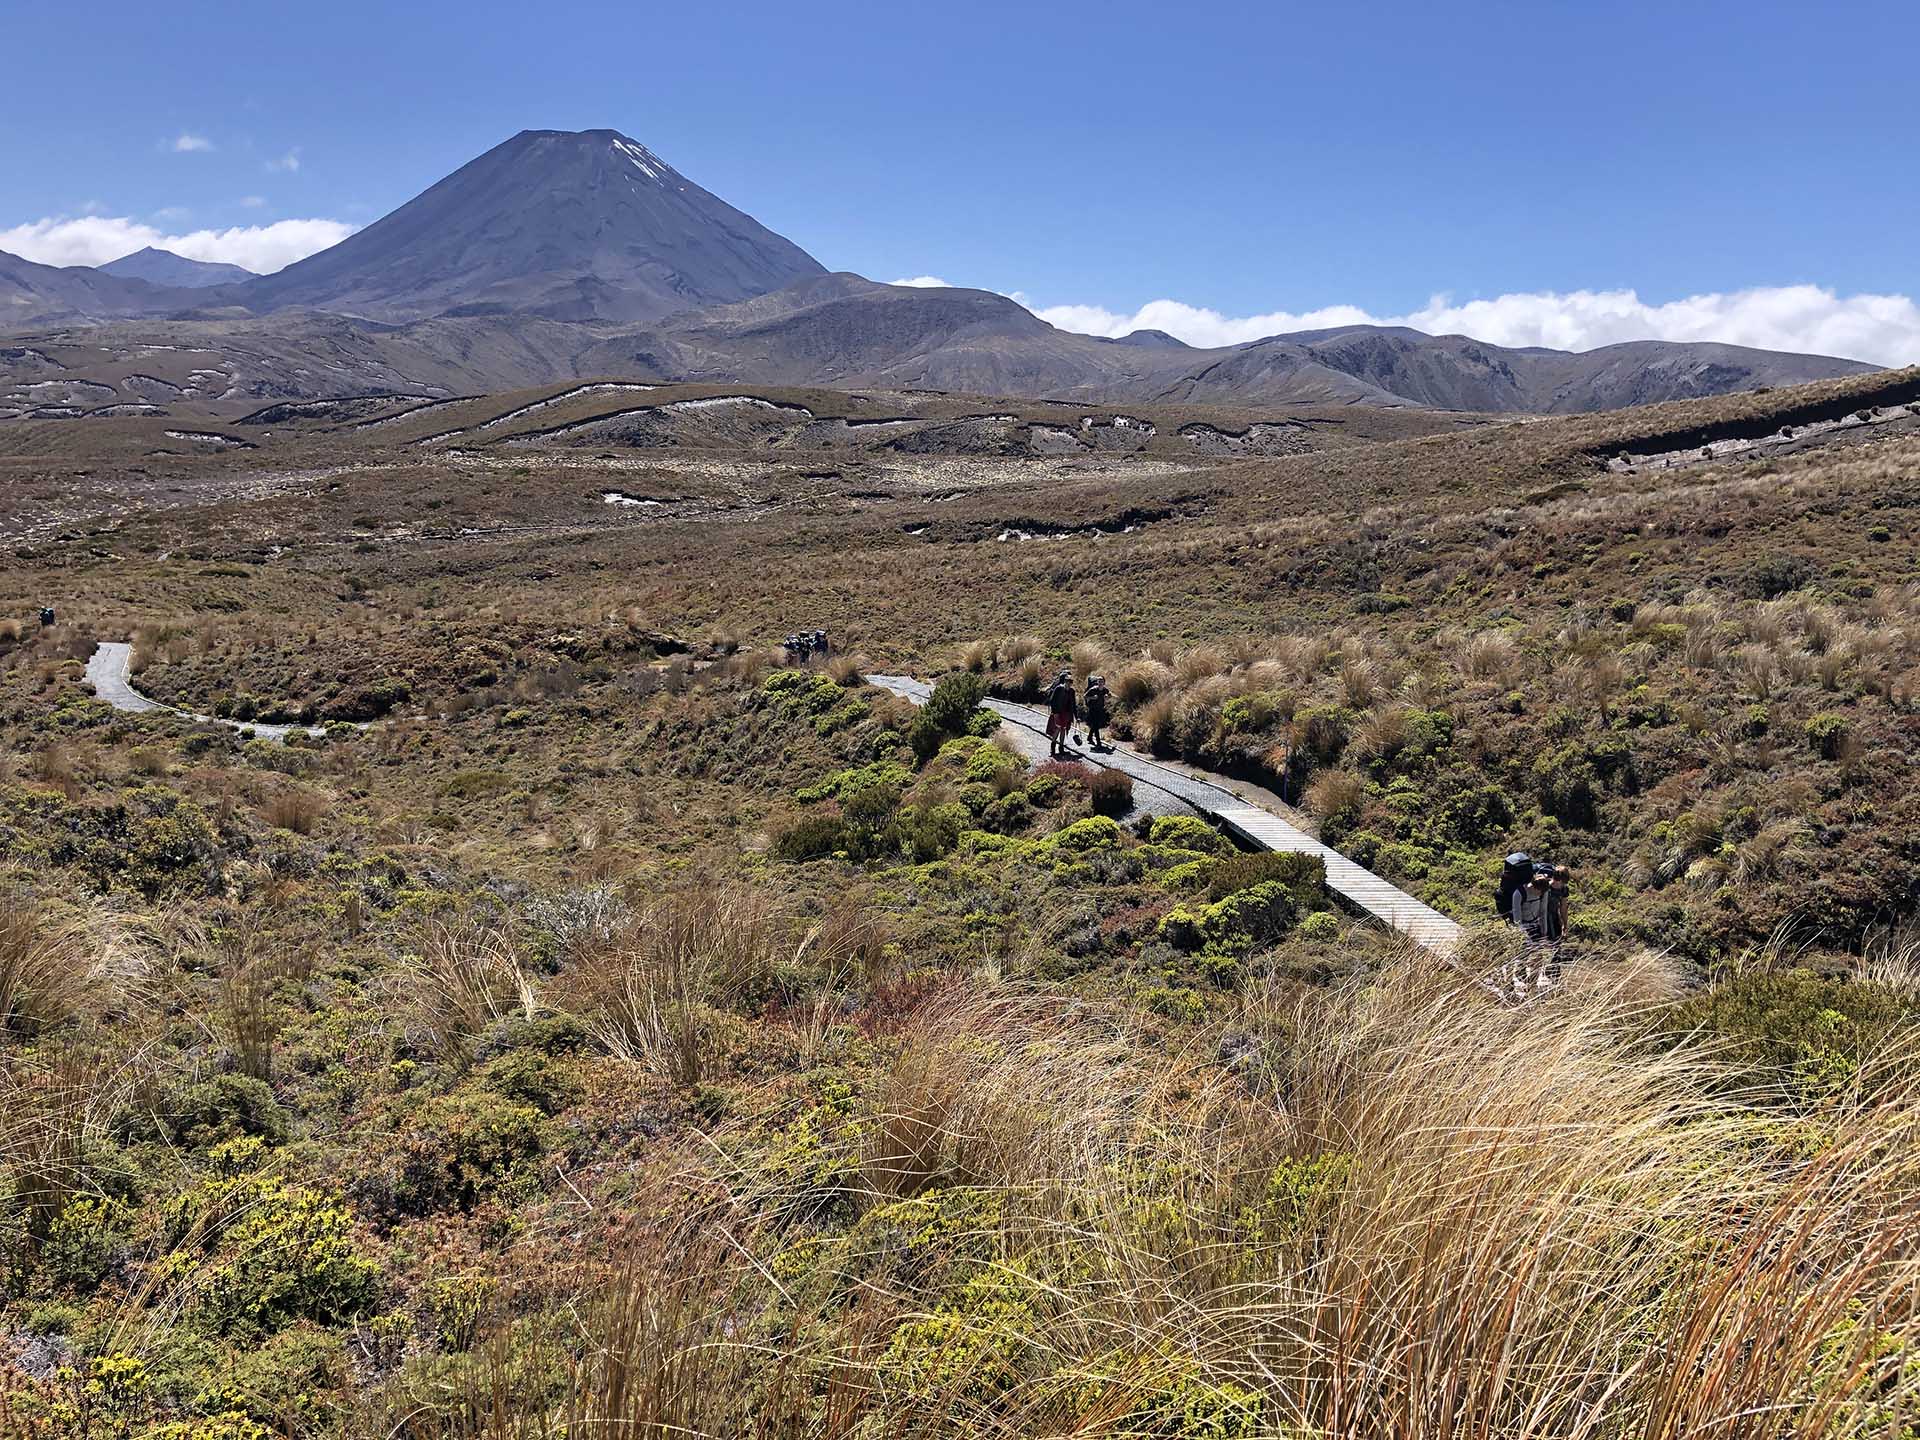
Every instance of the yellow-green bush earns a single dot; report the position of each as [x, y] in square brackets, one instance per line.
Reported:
[259, 1254]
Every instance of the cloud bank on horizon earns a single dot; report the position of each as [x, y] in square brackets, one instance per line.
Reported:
[1810, 319]
[97, 239]
[1807, 319]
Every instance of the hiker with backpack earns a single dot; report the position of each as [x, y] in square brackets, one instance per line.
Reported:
[1533, 906]
[1515, 873]
[1095, 705]
[1061, 712]
[1532, 915]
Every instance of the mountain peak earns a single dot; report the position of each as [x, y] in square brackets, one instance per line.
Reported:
[567, 224]
[164, 267]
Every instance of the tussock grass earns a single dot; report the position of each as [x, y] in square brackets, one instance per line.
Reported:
[47, 968]
[462, 980]
[1407, 1212]
[656, 992]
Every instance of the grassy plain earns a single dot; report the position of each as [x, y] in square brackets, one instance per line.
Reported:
[626, 1034]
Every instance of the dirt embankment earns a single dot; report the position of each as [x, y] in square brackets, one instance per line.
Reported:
[1896, 390]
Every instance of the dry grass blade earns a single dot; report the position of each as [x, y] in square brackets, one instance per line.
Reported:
[463, 980]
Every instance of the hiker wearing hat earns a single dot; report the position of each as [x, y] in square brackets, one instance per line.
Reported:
[1533, 905]
[1094, 706]
[1060, 714]
[1533, 911]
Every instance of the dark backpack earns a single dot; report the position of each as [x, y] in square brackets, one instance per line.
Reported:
[1512, 878]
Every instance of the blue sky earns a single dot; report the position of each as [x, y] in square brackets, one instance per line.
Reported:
[1254, 161]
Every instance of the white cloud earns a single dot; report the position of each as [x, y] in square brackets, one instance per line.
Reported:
[96, 239]
[253, 202]
[288, 161]
[923, 282]
[1884, 329]
[184, 143]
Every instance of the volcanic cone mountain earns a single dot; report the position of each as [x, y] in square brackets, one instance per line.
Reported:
[585, 225]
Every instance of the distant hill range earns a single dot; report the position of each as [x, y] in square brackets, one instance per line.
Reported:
[559, 255]
[163, 267]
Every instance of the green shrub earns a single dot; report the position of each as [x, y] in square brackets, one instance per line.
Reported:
[930, 1242]
[206, 1114]
[1045, 789]
[1301, 1197]
[978, 1344]
[1250, 917]
[845, 782]
[1827, 734]
[951, 710]
[1152, 1395]
[1094, 832]
[977, 798]
[1322, 927]
[989, 764]
[928, 832]
[531, 1078]
[1188, 832]
[1796, 1031]
[1304, 876]
[1256, 712]
[1568, 786]
[1321, 730]
[80, 1241]
[1175, 1002]
[459, 1306]
[811, 838]
[1010, 814]
[153, 841]
[460, 1148]
[1245, 919]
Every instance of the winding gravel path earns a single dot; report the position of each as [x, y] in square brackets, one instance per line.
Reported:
[108, 673]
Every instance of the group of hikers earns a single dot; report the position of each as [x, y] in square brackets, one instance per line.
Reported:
[1532, 897]
[806, 645]
[1064, 708]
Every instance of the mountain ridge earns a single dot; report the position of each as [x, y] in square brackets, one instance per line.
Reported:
[566, 254]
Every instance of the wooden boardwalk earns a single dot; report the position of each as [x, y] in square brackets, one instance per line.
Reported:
[1239, 811]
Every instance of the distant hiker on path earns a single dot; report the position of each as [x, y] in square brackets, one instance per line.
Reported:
[1060, 714]
[1094, 705]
